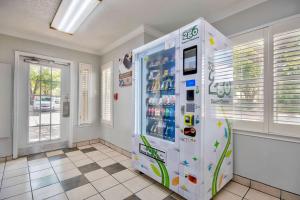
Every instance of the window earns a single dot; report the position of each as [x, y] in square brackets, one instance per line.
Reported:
[286, 78]
[248, 75]
[106, 93]
[248, 78]
[267, 79]
[85, 72]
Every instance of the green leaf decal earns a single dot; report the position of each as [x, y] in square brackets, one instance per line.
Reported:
[220, 162]
[228, 154]
[165, 179]
[155, 170]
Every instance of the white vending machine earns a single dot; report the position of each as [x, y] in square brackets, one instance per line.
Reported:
[183, 104]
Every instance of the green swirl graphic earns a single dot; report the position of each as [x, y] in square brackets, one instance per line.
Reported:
[221, 160]
[165, 180]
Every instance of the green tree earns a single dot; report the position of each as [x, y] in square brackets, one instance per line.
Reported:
[287, 82]
[248, 73]
[44, 81]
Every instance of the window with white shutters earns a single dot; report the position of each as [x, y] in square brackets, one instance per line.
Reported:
[248, 75]
[286, 78]
[106, 93]
[84, 93]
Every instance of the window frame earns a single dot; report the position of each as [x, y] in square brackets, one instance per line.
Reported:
[268, 128]
[275, 128]
[103, 68]
[90, 81]
[254, 126]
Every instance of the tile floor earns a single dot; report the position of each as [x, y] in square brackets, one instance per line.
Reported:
[91, 172]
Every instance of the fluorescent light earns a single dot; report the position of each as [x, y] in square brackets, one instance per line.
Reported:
[71, 14]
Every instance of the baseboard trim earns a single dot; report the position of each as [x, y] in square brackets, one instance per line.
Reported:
[268, 189]
[94, 141]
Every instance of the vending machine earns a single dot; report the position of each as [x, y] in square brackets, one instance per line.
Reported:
[183, 105]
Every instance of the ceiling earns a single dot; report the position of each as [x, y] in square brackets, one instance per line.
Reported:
[111, 20]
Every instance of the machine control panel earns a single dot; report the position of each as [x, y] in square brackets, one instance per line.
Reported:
[190, 107]
[189, 131]
[190, 83]
[190, 95]
[189, 119]
[190, 60]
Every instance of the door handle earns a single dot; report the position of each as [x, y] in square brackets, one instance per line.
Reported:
[66, 107]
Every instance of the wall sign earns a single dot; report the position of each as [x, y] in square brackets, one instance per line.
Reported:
[125, 70]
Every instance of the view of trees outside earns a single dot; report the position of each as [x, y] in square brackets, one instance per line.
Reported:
[248, 66]
[287, 78]
[42, 81]
[44, 107]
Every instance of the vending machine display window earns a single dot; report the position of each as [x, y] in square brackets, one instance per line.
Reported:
[159, 94]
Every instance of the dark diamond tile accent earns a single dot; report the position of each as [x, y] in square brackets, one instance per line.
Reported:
[88, 168]
[132, 197]
[36, 156]
[70, 149]
[43, 182]
[57, 157]
[169, 198]
[114, 168]
[173, 197]
[75, 182]
[88, 149]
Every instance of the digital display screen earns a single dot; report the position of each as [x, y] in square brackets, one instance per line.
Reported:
[190, 60]
[190, 83]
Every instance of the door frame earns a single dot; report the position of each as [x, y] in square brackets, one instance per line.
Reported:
[16, 118]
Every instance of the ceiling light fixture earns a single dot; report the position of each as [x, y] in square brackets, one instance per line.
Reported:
[71, 14]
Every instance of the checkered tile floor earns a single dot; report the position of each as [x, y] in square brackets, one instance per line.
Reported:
[89, 172]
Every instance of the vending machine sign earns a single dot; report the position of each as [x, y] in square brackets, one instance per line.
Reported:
[190, 34]
[148, 151]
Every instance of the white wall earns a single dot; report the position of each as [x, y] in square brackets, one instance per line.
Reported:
[272, 162]
[120, 134]
[8, 45]
[5, 108]
[260, 14]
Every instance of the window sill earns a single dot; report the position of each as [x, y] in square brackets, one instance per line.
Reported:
[44, 141]
[271, 136]
[85, 125]
[107, 124]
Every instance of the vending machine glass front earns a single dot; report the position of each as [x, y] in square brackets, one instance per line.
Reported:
[158, 92]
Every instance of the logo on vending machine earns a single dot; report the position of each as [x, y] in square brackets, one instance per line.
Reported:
[220, 92]
[190, 34]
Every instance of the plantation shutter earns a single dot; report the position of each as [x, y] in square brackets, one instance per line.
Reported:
[248, 81]
[248, 75]
[107, 93]
[84, 93]
[286, 78]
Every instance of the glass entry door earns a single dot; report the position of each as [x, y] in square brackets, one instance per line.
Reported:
[44, 103]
